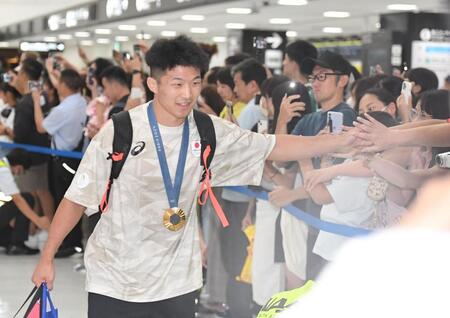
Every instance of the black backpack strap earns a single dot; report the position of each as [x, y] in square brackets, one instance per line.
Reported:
[207, 134]
[123, 137]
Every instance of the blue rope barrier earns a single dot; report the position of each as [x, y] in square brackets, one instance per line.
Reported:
[339, 229]
[43, 150]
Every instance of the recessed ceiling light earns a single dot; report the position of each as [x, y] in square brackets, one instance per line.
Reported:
[332, 30]
[4, 44]
[122, 38]
[86, 42]
[168, 33]
[291, 34]
[280, 21]
[127, 27]
[102, 31]
[50, 39]
[378, 25]
[65, 36]
[219, 39]
[292, 2]
[402, 7]
[235, 26]
[239, 10]
[336, 14]
[156, 23]
[103, 41]
[193, 17]
[199, 30]
[143, 36]
[82, 34]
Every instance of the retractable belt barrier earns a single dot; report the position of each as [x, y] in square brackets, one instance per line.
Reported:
[339, 229]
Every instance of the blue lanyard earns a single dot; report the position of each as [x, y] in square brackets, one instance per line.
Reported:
[172, 190]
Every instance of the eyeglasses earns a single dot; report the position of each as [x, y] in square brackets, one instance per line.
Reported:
[321, 77]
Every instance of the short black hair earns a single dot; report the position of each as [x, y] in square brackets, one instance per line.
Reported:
[424, 77]
[382, 94]
[224, 77]
[166, 54]
[72, 79]
[299, 50]
[251, 70]
[382, 117]
[212, 75]
[436, 103]
[363, 84]
[5, 87]
[393, 84]
[213, 99]
[32, 69]
[269, 84]
[101, 64]
[19, 156]
[115, 74]
[237, 58]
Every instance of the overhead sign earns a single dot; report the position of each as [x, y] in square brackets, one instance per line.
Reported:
[41, 46]
[115, 8]
[275, 40]
[70, 18]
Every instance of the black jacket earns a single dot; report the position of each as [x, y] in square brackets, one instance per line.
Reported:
[25, 131]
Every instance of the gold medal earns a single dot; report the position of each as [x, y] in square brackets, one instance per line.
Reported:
[174, 219]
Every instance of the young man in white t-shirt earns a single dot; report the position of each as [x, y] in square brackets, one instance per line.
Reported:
[137, 263]
[18, 210]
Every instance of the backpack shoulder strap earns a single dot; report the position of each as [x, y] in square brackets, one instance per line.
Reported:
[207, 134]
[123, 137]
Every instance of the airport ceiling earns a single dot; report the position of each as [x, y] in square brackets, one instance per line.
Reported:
[304, 21]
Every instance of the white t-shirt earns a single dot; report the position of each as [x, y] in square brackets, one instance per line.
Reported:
[130, 255]
[7, 184]
[393, 273]
[351, 206]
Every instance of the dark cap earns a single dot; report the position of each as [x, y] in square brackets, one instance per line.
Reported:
[327, 59]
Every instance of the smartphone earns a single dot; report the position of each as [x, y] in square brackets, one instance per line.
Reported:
[6, 78]
[335, 121]
[90, 76]
[126, 56]
[294, 88]
[136, 49]
[263, 126]
[406, 90]
[34, 86]
[372, 71]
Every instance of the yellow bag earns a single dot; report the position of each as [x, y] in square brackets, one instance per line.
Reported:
[246, 273]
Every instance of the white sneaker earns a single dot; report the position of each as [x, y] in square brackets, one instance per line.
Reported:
[33, 241]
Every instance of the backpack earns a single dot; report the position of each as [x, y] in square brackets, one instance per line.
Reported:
[122, 142]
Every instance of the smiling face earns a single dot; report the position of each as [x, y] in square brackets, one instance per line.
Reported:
[176, 91]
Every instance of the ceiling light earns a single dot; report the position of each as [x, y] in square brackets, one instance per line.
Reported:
[168, 33]
[402, 7]
[235, 26]
[127, 27]
[121, 38]
[193, 17]
[378, 25]
[102, 31]
[103, 41]
[336, 14]
[50, 39]
[280, 21]
[332, 30]
[219, 39]
[143, 36]
[291, 34]
[82, 34]
[86, 42]
[65, 36]
[198, 30]
[292, 2]
[156, 23]
[239, 10]
[4, 44]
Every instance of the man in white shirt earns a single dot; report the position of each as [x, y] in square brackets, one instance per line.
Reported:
[138, 264]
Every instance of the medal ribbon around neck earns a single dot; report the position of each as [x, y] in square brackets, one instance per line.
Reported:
[172, 190]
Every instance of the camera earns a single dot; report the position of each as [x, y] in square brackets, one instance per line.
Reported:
[294, 88]
[6, 78]
[443, 160]
[126, 56]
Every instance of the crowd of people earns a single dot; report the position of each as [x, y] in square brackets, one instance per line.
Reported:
[389, 135]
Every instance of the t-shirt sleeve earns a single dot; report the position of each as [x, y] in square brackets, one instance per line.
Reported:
[89, 182]
[7, 184]
[240, 155]
[340, 192]
[249, 117]
[54, 121]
